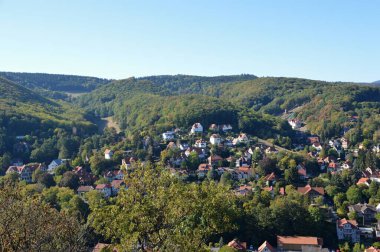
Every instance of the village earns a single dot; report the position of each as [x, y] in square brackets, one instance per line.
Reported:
[245, 164]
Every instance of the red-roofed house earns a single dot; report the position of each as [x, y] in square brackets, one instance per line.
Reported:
[105, 189]
[116, 185]
[311, 192]
[239, 246]
[270, 179]
[363, 181]
[301, 170]
[244, 172]
[298, 243]
[348, 230]
[214, 159]
[266, 247]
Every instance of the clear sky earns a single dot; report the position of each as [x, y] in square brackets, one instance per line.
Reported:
[335, 40]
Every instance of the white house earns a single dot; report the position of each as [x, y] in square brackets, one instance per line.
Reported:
[242, 138]
[226, 127]
[295, 123]
[215, 139]
[348, 230]
[55, 163]
[167, 136]
[200, 144]
[108, 154]
[25, 171]
[196, 128]
[105, 189]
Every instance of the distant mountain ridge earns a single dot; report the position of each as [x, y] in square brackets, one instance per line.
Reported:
[55, 82]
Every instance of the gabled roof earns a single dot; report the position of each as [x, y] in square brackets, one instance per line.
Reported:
[270, 177]
[117, 183]
[214, 158]
[237, 244]
[362, 181]
[85, 188]
[102, 186]
[266, 245]
[107, 151]
[344, 221]
[299, 240]
[307, 189]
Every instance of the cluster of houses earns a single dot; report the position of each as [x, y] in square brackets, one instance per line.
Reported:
[284, 243]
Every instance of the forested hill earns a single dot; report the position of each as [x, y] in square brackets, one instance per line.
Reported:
[326, 107]
[23, 111]
[376, 82]
[55, 82]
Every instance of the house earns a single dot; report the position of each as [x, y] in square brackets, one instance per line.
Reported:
[301, 171]
[270, 189]
[347, 230]
[105, 189]
[114, 175]
[313, 139]
[363, 181]
[372, 249]
[242, 138]
[183, 146]
[244, 190]
[127, 163]
[226, 127]
[201, 152]
[372, 173]
[25, 172]
[214, 159]
[171, 145]
[270, 179]
[85, 177]
[346, 165]
[200, 143]
[366, 232]
[215, 139]
[196, 128]
[203, 169]
[345, 143]
[295, 123]
[311, 192]
[333, 166]
[364, 212]
[108, 154]
[271, 150]
[116, 185]
[55, 163]
[244, 172]
[84, 189]
[214, 127]
[266, 247]
[236, 244]
[298, 243]
[167, 136]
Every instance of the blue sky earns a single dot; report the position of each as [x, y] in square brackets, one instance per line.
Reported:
[332, 40]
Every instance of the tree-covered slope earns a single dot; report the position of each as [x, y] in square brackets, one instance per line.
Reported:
[55, 82]
[327, 108]
[24, 111]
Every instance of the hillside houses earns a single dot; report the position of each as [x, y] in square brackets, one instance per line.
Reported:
[348, 230]
[196, 128]
[25, 172]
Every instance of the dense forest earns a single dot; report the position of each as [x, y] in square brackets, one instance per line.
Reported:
[55, 82]
[326, 108]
